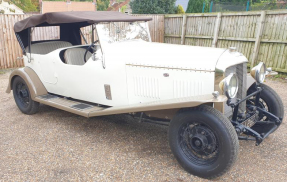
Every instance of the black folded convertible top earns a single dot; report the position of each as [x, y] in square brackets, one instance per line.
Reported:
[83, 18]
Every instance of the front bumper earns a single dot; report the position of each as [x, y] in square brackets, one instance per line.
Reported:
[243, 122]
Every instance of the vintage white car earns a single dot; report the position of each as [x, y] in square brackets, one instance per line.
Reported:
[203, 94]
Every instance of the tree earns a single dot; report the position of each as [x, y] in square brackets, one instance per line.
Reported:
[195, 6]
[153, 6]
[231, 1]
[36, 4]
[102, 5]
[123, 9]
[180, 9]
[25, 5]
[244, 1]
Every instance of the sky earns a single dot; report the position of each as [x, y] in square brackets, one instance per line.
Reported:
[183, 3]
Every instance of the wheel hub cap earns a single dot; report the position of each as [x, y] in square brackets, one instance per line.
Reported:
[23, 93]
[198, 142]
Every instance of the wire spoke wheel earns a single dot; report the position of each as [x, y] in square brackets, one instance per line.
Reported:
[262, 104]
[198, 143]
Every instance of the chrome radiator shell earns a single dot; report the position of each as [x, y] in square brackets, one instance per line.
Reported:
[241, 71]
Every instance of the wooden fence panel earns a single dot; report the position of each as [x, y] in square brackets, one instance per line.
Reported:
[10, 51]
[200, 25]
[173, 26]
[273, 49]
[239, 26]
[172, 40]
[198, 42]
[260, 36]
[46, 33]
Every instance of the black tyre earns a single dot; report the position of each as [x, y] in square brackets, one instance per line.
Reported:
[203, 141]
[23, 98]
[270, 101]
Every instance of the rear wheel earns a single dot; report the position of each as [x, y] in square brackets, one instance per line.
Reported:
[203, 141]
[23, 98]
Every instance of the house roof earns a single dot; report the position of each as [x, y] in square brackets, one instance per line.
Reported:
[10, 8]
[60, 6]
[116, 6]
[80, 19]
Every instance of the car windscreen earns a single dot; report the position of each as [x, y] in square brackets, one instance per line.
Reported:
[122, 31]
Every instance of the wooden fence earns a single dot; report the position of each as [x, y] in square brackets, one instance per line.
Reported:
[260, 36]
[10, 51]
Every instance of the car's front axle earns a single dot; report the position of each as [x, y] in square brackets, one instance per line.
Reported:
[243, 122]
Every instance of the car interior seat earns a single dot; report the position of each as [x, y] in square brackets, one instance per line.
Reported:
[75, 56]
[47, 47]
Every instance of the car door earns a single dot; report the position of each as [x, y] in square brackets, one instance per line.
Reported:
[101, 81]
[47, 68]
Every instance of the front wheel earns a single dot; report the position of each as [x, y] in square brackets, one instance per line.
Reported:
[271, 102]
[203, 141]
[23, 98]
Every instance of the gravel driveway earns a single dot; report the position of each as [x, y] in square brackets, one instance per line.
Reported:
[55, 145]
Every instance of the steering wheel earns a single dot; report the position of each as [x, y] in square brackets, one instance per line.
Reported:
[89, 48]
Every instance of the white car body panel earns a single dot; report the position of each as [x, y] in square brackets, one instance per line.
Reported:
[143, 87]
[229, 58]
[82, 82]
[136, 72]
[139, 52]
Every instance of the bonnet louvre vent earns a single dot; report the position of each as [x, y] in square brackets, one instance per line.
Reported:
[146, 87]
[182, 88]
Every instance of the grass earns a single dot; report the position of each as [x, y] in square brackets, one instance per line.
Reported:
[279, 77]
[3, 71]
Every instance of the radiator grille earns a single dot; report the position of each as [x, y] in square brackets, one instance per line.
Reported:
[241, 72]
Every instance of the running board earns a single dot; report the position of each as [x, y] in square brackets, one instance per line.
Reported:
[88, 110]
[65, 104]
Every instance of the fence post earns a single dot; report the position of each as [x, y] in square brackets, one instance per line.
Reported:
[258, 38]
[247, 5]
[216, 30]
[184, 18]
[203, 7]
[211, 4]
[163, 28]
